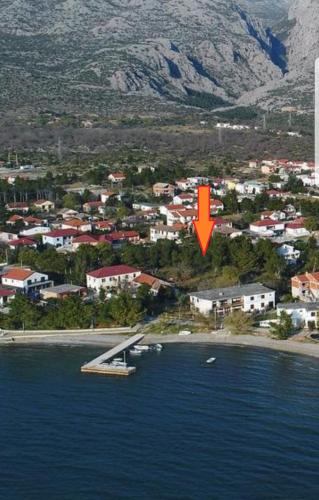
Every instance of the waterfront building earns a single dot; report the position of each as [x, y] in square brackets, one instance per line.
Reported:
[302, 314]
[250, 298]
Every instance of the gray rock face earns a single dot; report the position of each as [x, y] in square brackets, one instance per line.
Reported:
[81, 53]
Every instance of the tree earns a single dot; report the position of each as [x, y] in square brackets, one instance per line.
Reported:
[311, 224]
[284, 328]
[71, 201]
[238, 323]
[231, 202]
[23, 313]
[125, 310]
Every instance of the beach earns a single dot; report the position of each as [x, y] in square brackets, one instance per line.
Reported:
[91, 338]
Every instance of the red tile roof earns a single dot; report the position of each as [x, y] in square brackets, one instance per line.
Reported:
[22, 242]
[85, 238]
[58, 233]
[4, 292]
[266, 222]
[106, 272]
[17, 273]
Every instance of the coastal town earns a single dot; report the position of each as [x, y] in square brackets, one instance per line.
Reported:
[116, 247]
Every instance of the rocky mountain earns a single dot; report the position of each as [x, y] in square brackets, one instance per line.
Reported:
[102, 55]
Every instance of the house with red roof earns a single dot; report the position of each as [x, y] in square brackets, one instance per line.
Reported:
[154, 284]
[14, 219]
[78, 224]
[22, 243]
[19, 206]
[44, 205]
[59, 237]
[305, 287]
[112, 277]
[6, 296]
[103, 225]
[267, 227]
[183, 199]
[92, 206]
[118, 238]
[163, 189]
[25, 280]
[117, 177]
[86, 239]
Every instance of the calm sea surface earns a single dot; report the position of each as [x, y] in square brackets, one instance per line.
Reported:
[246, 427]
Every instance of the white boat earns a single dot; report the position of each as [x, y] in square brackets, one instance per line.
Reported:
[142, 347]
[158, 347]
[210, 360]
[135, 352]
[121, 364]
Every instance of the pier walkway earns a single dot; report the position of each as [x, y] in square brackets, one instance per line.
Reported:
[102, 364]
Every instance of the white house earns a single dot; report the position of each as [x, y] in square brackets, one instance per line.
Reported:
[78, 224]
[25, 280]
[162, 232]
[6, 296]
[289, 253]
[250, 187]
[296, 230]
[44, 205]
[250, 298]
[106, 195]
[59, 237]
[117, 177]
[197, 181]
[216, 206]
[267, 227]
[112, 277]
[183, 184]
[183, 198]
[6, 237]
[35, 230]
[303, 314]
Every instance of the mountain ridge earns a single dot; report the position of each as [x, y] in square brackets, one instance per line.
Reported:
[95, 54]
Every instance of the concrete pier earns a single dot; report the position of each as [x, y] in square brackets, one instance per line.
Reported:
[103, 363]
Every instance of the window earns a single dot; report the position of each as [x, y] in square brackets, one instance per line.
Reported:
[313, 314]
[262, 296]
[252, 298]
[262, 304]
[252, 307]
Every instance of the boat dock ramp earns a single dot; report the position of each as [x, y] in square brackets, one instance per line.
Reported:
[105, 364]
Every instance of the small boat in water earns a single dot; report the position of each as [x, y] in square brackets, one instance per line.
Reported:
[121, 364]
[142, 347]
[158, 347]
[210, 360]
[135, 352]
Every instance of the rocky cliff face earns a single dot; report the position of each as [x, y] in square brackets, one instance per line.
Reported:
[84, 53]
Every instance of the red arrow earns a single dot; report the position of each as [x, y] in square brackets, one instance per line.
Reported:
[204, 225]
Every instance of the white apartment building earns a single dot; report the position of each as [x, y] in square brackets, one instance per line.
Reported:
[112, 277]
[250, 298]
